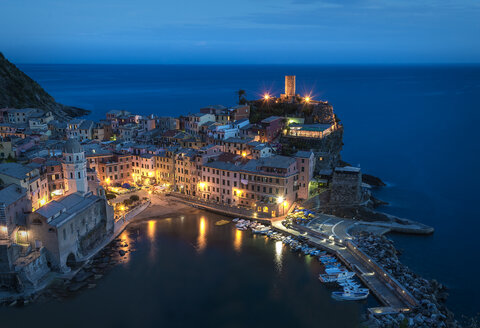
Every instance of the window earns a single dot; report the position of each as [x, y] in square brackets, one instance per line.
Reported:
[79, 175]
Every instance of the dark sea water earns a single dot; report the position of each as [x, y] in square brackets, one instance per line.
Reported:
[185, 271]
[416, 127]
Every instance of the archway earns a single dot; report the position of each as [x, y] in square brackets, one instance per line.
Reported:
[72, 261]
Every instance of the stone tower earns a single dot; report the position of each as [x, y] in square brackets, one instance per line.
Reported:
[74, 167]
[290, 86]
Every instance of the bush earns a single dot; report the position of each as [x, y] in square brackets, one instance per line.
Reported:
[134, 198]
[110, 196]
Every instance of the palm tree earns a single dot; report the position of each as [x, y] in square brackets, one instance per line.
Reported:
[241, 96]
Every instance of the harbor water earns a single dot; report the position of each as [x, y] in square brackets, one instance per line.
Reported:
[185, 271]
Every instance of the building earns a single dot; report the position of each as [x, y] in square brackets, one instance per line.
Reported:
[70, 228]
[74, 167]
[306, 167]
[28, 177]
[14, 205]
[346, 186]
[290, 85]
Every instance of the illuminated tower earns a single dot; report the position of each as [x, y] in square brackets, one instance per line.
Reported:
[290, 86]
[74, 167]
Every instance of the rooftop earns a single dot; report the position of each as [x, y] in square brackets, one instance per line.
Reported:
[11, 193]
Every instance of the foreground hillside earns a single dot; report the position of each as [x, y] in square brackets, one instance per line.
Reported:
[18, 90]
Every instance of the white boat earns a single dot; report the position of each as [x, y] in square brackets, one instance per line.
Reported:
[345, 275]
[341, 277]
[335, 270]
[356, 289]
[348, 295]
[260, 229]
[326, 278]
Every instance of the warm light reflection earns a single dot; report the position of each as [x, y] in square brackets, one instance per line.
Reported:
[125, 238]
[237, 242]
[151, 230]
[278, 255]
[202, 239]
[266, 96]
[307, 99]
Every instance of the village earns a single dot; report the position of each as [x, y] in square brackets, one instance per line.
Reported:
[69, 188]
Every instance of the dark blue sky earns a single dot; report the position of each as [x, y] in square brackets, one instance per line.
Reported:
[247, 31]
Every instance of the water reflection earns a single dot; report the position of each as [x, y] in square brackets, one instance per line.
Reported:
[202, 238]
[151, 230]
[278, 255]
[237, 242]
[125, 238]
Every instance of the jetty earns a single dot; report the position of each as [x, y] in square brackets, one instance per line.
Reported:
[393, 296]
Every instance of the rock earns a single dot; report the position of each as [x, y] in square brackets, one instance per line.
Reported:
[82, 276]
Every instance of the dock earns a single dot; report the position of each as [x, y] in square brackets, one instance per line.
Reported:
[391, 294]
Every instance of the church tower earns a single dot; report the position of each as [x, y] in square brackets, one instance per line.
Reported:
[74, 167]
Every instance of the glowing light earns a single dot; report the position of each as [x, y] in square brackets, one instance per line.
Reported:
[278, 255]
[121, 208]
[285, 204]
[244, 154]
[23, 233]
[266, 96]
[202, 185]
[151, 229]
[237, 243]
[43, 201]
[307, 99]
[3, 229]
[280, 200]
[202, 239]
[107, 180]
[150, 174]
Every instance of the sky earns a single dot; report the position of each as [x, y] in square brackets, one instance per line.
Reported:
[240, 32]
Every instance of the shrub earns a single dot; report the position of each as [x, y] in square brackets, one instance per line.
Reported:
[134, 198]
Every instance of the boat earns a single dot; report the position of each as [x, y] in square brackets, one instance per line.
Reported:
[348, 295]
[340, 278]
[235, 220]
[356, 289]
[260, 229]
[326, 278]
[335, 270]
[345, 275]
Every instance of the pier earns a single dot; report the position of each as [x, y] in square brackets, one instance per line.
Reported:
[393, 296]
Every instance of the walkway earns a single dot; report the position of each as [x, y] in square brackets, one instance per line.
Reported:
[384, 291]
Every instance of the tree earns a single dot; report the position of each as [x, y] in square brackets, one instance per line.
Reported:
[241, 97]
[134, 198]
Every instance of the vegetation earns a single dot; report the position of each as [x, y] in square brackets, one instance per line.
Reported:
[134, 198]
[241, 97]
[18, 90]
[110, 196]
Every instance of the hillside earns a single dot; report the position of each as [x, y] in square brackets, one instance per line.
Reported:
[18, 90]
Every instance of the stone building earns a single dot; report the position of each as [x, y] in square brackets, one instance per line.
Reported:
[346, 186]
[70, 228]
[290, 85]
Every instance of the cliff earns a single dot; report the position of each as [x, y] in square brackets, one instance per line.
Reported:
[18, 90]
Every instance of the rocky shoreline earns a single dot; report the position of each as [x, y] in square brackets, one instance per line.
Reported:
[430, 294]
[86, 277]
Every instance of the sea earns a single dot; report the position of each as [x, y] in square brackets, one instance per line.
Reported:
[416, 127]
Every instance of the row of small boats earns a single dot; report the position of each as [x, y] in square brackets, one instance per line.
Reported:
[256, 227]
[334, 271]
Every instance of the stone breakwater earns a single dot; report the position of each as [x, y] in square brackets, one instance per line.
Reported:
[85, 277]
[430, 294]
